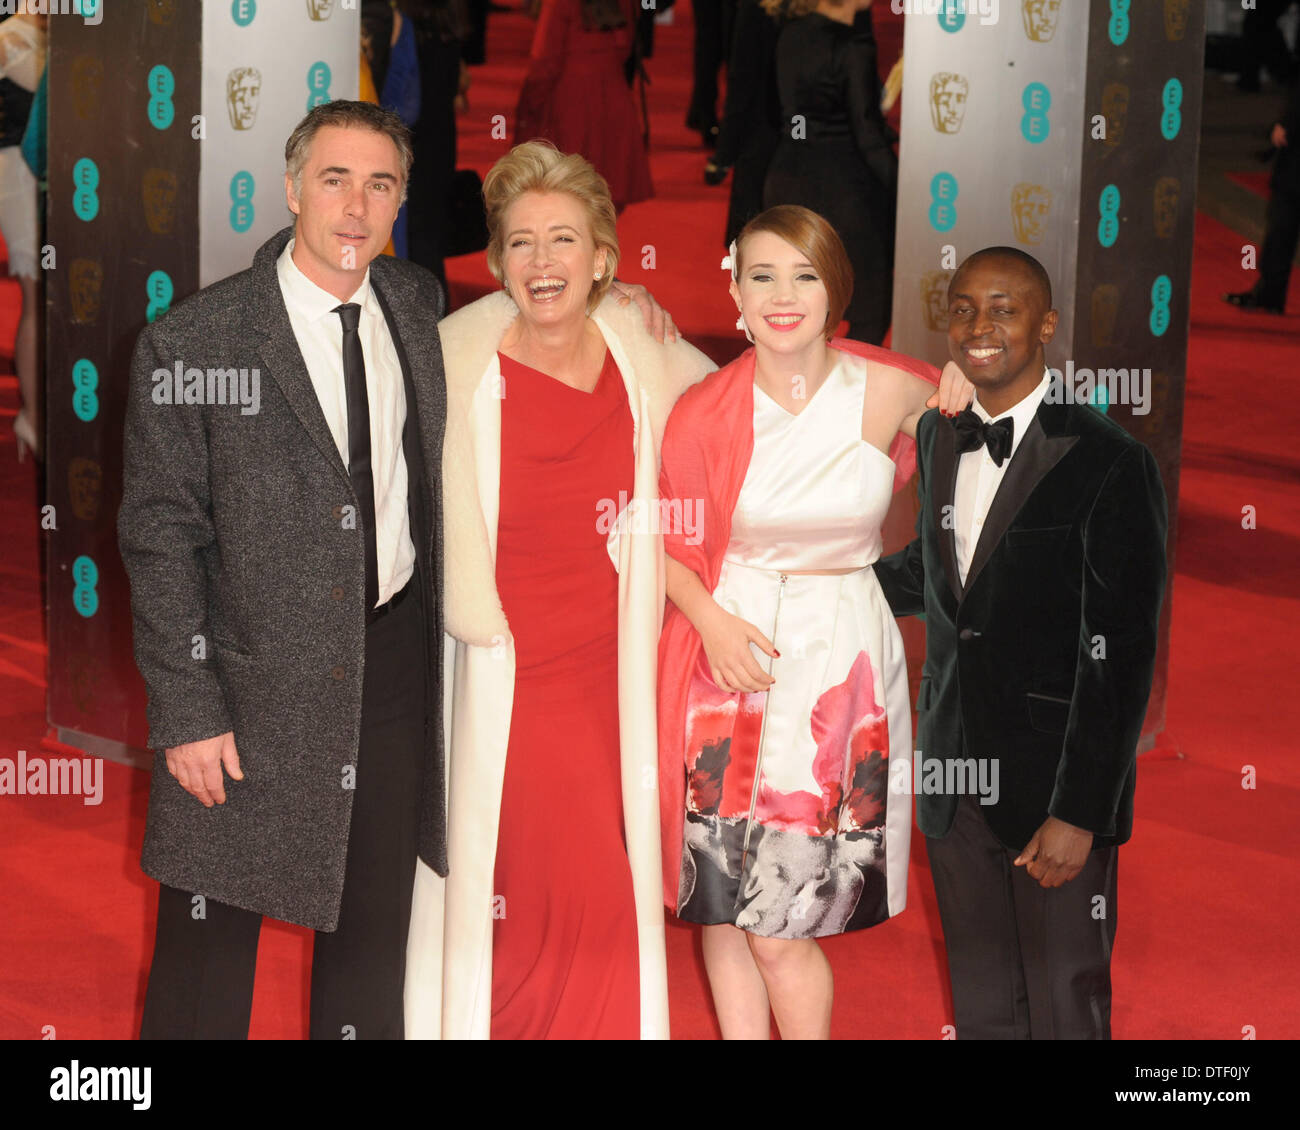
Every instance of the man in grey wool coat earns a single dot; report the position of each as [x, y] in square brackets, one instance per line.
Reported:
[284, 551]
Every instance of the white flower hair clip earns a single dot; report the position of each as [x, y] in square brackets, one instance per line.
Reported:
[729, 263]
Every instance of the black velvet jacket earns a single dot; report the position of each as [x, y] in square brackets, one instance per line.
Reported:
[1044, 660]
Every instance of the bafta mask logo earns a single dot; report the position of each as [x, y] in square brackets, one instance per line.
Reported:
[320, 9]
[86, 281]
[87, 78]
[1165, 207]
[243, 88]
[1114, 105]
[162, 12]
[159, 187]
[1105, 313]
[948, 93]
[1030, 206]
[1176, 17]
[1041, 18]
[85, 482]
[934, 299]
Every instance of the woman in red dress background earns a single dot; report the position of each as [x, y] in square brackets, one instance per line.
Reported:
[576, 92]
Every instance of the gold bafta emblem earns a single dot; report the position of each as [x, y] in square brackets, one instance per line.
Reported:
[87, 78]
[1114, 105]
[1030, 206]
[159, 187]
[85, 478]
[1176, 16]
[243, 87]
[1105, 313]
[1040, 17]
[1165, 207]
[934, 299]
[86, 281]
[162, 12]
[948, 93]
[320, 9]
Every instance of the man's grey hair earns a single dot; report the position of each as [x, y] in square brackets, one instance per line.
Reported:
[347, 115]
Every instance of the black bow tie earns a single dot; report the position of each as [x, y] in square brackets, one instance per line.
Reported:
[973, 433]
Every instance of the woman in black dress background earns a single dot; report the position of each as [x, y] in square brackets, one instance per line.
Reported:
[835, 155]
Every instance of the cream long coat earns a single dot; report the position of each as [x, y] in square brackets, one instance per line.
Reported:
[449, 952]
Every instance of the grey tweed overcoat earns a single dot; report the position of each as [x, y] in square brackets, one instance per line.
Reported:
[247, 591]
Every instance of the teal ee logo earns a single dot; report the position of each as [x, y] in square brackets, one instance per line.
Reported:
[943, 191]
[1108, 225]
[162, 85]
[1118, 25]
[85, 202]
[1162, 290]
[241, 195]
[243, 11]
[1171, 98]
[85, 574]
[1099, 398]
[952, 15]
[159, 289]
[318, 82]
[85, 380]
[1036, 100]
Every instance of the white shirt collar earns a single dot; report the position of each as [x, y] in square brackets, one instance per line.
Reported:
[304, 298]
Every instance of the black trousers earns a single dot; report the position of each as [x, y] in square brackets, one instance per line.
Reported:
[1282, 227]
[1026, 962]
[201, 979]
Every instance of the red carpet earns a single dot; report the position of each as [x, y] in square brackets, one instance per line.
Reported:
[1209, 884]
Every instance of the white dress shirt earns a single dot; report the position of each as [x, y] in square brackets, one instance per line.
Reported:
[978, 477]
[319, 332]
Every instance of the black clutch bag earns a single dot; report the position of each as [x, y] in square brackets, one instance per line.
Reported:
[466, 230]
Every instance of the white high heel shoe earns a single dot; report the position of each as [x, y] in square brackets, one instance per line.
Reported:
[26, 437]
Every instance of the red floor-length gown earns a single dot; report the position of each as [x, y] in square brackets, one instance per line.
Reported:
[564, 962]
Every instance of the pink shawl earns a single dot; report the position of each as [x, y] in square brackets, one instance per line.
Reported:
[707, 445]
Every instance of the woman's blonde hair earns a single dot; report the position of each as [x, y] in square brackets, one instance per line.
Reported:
[537, 166]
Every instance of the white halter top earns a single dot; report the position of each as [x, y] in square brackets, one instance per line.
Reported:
[816, 492]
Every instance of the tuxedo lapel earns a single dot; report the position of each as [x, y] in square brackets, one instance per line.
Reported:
[280, 353]
[942, 497]
[1037, 454]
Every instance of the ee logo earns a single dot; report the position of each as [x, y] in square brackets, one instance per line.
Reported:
[86, 575]
[243, 11]
[85, 202]
[1108, 226]
[943, 191]
[1162, 290]
[1118, 25]
[241, 195]
[1036, 100]
[159, 289]
[85, 380]
[318, 82]
[1171, 99]
[952, 15]
[161, 88]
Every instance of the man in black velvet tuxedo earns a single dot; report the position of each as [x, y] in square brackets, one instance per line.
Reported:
[1040, 567]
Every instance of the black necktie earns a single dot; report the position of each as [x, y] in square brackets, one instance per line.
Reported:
[973, 433]
[363, 483]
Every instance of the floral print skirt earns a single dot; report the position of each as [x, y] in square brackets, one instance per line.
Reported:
[798, 799]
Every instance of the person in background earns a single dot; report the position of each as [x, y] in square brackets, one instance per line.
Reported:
[835, 154]
[1282, 227]
[389, 59]
[713, 29]
[440, 28]
[577, 95]
[751, 122]
[22, 62]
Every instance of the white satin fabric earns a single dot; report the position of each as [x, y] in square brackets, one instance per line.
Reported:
[816, 492]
